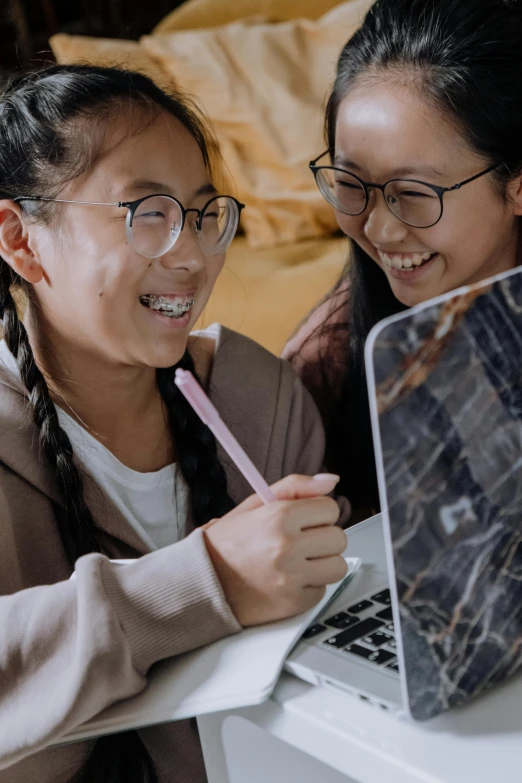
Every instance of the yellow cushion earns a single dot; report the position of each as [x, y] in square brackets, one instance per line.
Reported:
[211, 13]
[265, 294]
[263, 86]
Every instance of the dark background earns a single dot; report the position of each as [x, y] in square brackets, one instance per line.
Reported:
[26, 25]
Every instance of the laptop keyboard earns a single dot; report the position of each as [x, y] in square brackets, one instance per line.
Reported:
[364, 630]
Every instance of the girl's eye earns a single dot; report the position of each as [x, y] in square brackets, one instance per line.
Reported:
[151, 214]
[414, 194]
[213, 215]
[349, 185]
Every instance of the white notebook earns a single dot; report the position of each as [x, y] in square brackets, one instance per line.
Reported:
[237, 671]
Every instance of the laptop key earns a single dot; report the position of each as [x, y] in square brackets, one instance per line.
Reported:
[341, 620]
[378, 657]
[393, 666]
[360, 607]
[385, 614]
[383, 597]
[392, 644]
[390, 628]
[363, 628]
[313, 630]
[361, 652]
[377, 639]
[381, 656]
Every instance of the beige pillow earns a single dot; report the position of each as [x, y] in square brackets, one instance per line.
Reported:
[264, 88]
[285, 282]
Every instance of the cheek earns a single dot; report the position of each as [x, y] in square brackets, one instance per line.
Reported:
[467, 236]
[353, 228]
[94, 288]
[112, 277]
[214, 268]
[474, 218]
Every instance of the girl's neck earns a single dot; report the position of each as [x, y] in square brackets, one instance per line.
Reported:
[119, 405]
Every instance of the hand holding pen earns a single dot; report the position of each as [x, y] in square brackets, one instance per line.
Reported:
[275, 553]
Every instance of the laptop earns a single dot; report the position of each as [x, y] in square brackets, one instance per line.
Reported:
[434, 616]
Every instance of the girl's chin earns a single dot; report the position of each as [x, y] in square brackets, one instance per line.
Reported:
[411, 287]
[160, 355]
[410, 298]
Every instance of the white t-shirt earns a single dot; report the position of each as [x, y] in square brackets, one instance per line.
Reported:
[155, 504]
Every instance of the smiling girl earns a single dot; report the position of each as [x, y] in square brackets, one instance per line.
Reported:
[112, 235]
[423, 168]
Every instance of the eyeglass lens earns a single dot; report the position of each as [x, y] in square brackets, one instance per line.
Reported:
[414, 203]
[218, 225]
[156, 225]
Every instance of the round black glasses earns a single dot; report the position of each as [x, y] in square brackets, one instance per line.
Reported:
[154, 223]
[418, 204]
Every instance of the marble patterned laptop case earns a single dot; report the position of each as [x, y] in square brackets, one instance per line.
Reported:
[448, 384]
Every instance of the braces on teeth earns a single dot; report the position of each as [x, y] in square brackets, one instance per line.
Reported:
[174, 308]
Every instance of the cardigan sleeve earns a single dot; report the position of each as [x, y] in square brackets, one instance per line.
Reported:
[70, 649]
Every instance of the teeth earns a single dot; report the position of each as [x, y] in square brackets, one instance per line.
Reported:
[171, 306]
[404, 262]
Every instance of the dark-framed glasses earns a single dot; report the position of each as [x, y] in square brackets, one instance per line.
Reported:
[155, 222]
[416, 203]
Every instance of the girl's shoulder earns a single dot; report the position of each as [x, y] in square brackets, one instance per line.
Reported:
[232, 365]
[263, 402]
[324, 320]
[318, 348]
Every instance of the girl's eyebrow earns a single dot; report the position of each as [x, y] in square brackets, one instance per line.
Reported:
[206, 190]
[423, 170]
[152, 186]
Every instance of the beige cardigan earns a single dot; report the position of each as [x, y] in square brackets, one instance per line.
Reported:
[68, 649]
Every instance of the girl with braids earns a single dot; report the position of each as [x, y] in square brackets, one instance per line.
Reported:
[424, 164]
[112, 235]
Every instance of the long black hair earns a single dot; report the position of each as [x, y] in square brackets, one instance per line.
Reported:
[51, 128]
[466, 58]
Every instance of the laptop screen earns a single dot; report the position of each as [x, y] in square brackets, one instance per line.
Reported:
[445, 386]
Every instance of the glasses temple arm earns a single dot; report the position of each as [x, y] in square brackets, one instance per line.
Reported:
[70, 201]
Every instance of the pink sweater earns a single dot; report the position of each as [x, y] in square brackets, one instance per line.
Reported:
[317, 350]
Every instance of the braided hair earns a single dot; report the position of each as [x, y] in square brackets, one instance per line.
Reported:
[40, 150]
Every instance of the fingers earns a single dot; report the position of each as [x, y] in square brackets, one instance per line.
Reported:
[312, 512]
[323, 542]
[295, 487]
[291, 488]
[325, 571]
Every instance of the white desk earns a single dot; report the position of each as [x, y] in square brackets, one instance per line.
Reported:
[347, 740]
[311, 735]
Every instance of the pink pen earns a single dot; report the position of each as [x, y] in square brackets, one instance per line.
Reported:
[195, 395]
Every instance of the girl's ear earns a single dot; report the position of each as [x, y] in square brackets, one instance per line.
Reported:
[515, 193]
[15, 247]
